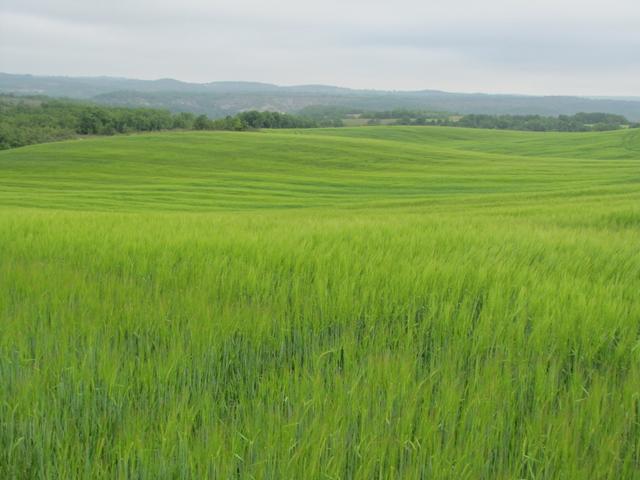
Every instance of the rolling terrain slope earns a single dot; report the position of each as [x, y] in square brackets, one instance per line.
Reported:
[382, 302]
[342, 168]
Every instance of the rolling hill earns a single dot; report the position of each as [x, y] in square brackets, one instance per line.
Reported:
[218, 99]
[329, 303]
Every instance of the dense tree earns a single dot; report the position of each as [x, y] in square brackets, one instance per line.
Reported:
[202, 123]
[580, 122]
[27, 120]
[184, 121]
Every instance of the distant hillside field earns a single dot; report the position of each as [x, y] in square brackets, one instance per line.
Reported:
[218, 99]
[371, 302]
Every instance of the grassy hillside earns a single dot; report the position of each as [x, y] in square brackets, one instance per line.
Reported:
[349, 303]
[346, 168]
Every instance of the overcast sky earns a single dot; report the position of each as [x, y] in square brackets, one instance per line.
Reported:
[582, 47]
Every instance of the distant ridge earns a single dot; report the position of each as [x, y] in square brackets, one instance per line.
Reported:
[229, 97]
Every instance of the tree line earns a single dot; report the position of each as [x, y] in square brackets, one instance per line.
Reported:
[254, 120]
[580, 122]
[29, 120]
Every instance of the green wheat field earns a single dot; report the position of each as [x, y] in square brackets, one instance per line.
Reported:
[355, 303]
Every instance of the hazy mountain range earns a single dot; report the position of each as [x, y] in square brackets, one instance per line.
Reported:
[217, 99]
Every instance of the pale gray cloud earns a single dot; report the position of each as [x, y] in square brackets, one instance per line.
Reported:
[546, 46]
